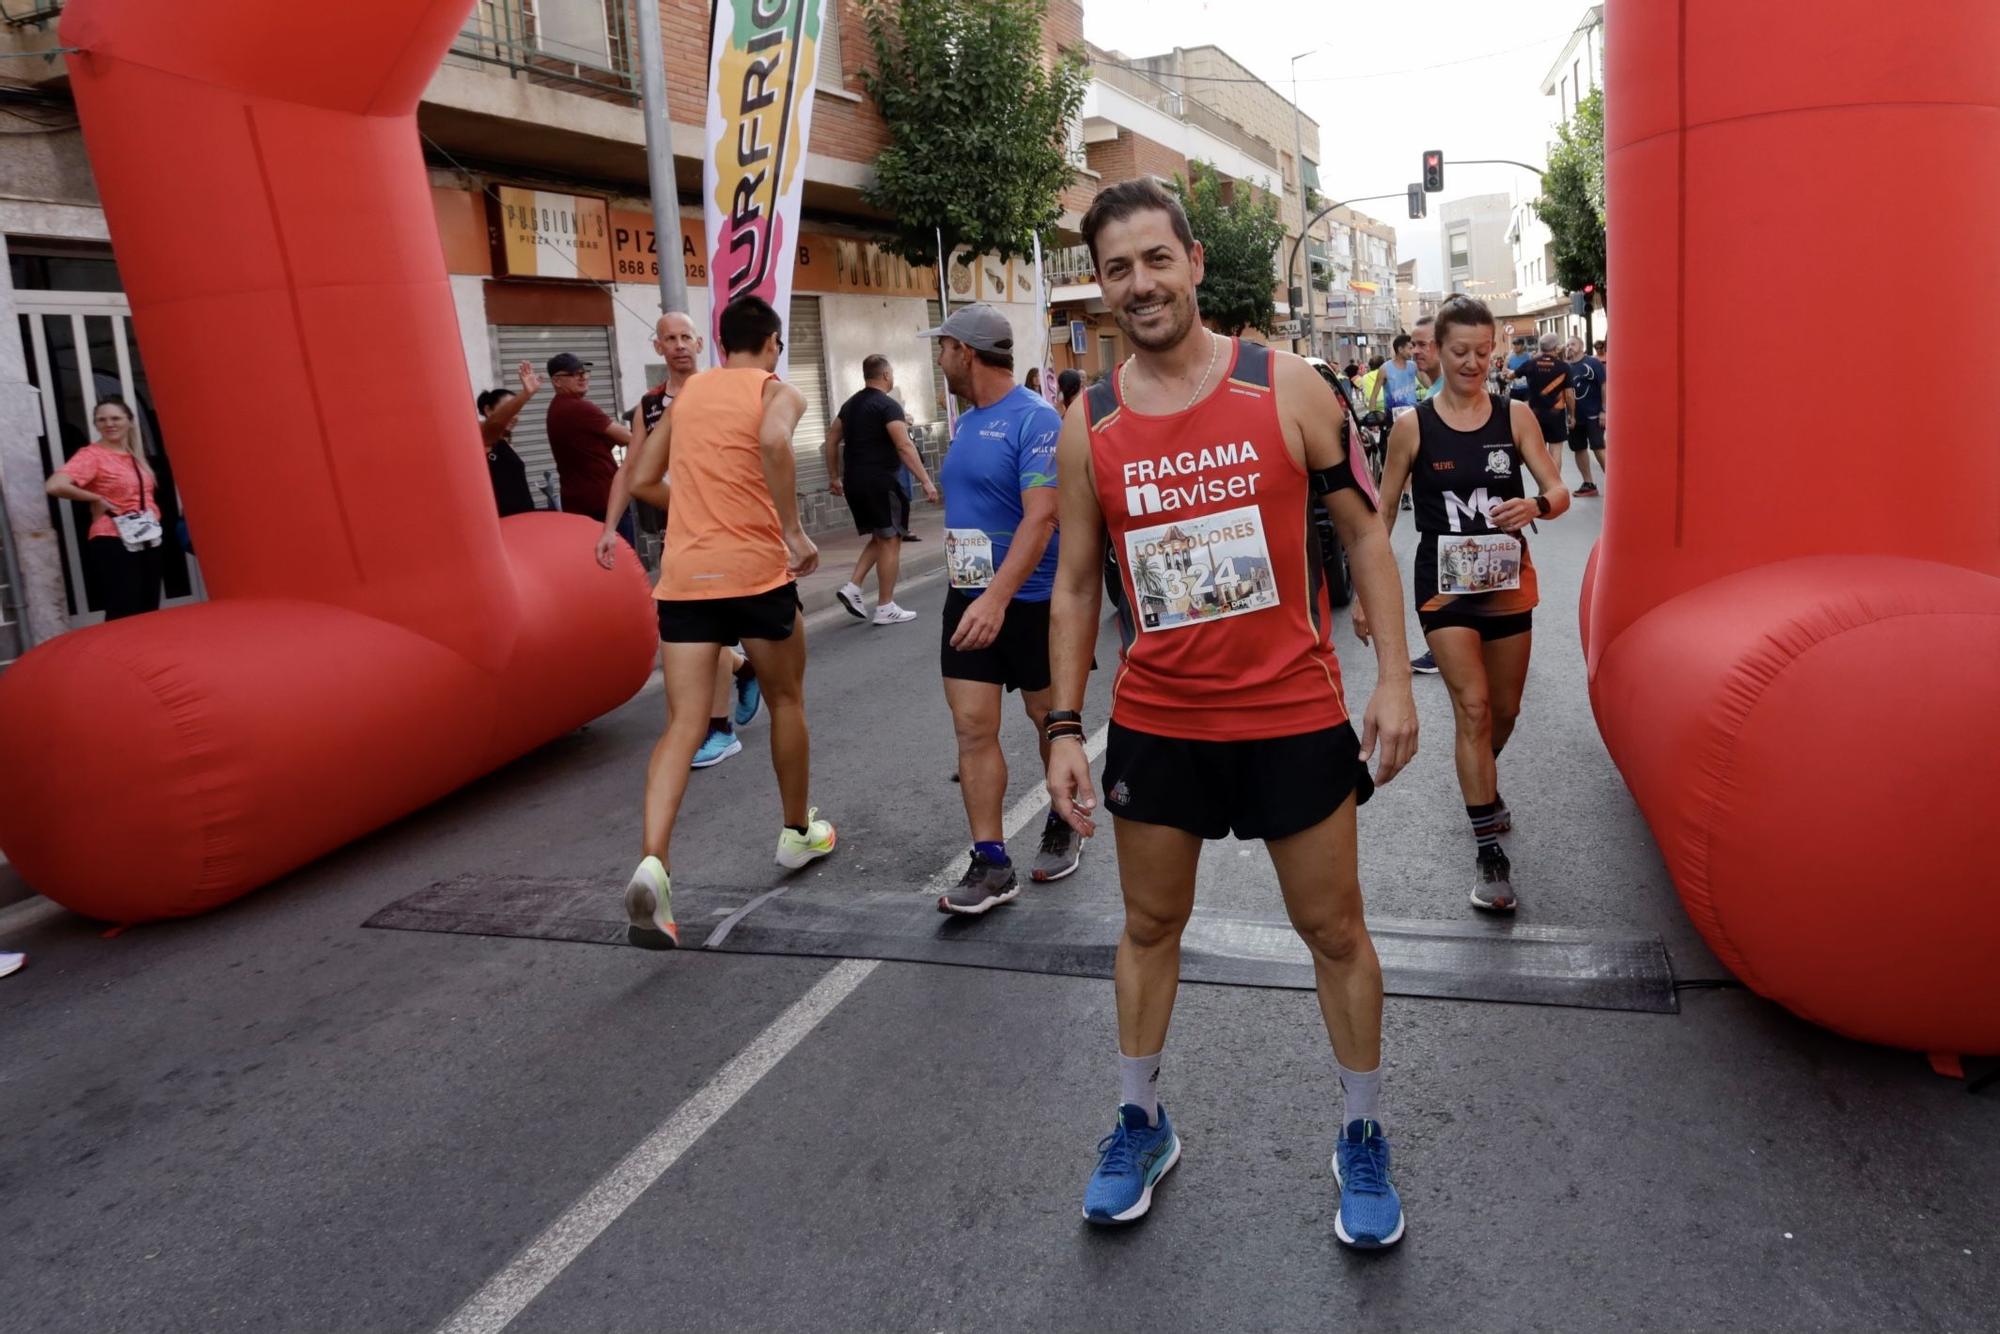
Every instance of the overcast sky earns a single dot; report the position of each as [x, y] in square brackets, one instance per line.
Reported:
[1386, 82]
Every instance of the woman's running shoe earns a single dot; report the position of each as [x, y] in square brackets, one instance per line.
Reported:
[1493, 882]
[719, 747]
[1371, 1213]
[749, 698]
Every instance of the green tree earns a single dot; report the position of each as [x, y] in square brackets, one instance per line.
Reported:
[978, 124]
[1240, 236]
[1572, 202]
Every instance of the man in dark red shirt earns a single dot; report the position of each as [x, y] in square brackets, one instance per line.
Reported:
[581, 436]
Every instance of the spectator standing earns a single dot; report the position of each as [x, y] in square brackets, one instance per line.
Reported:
[111, 475]
[581, 437]
[1586, 431]
[1547, 378]
[497, 411]
[866, 443]
[1068, 385]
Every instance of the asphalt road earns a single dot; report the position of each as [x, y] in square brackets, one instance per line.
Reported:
[271, 1118]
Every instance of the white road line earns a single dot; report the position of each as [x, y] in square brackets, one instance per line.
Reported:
[508, 1292]
[1027, 808]
[543, 1260]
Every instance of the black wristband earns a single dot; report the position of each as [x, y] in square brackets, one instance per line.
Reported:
[1062, 716]
[1542, 504]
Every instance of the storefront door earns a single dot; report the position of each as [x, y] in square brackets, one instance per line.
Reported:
[80, 349]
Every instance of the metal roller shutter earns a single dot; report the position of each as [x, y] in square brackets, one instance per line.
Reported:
[535, 344]
[806, 371]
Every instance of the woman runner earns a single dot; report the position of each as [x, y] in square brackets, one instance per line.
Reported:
[1463, 452]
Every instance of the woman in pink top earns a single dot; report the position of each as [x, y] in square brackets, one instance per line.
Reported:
[111, 475]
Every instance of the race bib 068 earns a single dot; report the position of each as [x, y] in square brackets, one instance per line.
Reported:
[968, 556]
[1478, 563]
[1196, 570]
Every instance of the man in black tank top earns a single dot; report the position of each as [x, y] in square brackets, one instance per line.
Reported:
[1464, 453]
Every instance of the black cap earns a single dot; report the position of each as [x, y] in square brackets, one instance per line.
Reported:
[563, 363]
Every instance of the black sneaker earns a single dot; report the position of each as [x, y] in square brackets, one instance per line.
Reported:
[1061, 851]
[1587, 489]
[1492, 885]
[984, 885]
[1425, 665]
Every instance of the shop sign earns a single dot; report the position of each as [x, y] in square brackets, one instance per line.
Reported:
[545, 234]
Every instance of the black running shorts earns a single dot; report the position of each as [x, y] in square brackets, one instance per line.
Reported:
[1017, 659]
[1269, 788]
[719, 621]
[1489, 627]
[880, 508]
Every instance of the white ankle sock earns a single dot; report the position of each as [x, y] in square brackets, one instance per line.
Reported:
[1139, 1083]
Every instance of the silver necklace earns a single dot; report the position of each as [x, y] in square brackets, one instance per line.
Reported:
[1214, 347]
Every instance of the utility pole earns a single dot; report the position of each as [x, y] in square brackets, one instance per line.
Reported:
[660, 160]
[1299, 168]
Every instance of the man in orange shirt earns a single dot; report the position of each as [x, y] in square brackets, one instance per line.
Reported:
[721, 465]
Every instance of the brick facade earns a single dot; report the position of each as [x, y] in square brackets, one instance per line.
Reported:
[1131, 155]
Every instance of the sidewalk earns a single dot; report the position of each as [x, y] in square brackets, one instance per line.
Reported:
[839, 551]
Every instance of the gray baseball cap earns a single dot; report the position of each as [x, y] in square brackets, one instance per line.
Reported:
[978, 326]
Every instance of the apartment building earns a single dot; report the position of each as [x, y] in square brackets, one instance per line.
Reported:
[1227, 98]
[1544, 305]
[1131, 125]
[537, 103]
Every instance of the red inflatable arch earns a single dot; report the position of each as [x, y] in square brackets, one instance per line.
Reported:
[377, 637]
[1793, 619]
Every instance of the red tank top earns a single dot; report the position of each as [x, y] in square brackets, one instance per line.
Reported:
[1226, 625]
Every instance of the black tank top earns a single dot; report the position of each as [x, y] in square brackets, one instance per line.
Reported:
[1458, 477]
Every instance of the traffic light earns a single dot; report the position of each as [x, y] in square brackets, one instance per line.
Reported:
[1419, 206]
[1433, 170]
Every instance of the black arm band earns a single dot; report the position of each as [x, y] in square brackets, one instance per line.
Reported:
[1326, 481]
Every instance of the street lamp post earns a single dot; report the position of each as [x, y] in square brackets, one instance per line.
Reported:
[660, 161]
[1299, 167]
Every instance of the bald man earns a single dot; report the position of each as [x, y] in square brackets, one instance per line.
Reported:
[737, 695]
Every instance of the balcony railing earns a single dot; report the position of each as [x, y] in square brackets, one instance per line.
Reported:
[1163, 98]
[588, 42]
[1069, 264]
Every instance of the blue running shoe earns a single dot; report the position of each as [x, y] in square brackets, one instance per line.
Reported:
[719, 747]
[749, 698]
[1130, 1162]
[1425, 664]
[1371, 1213]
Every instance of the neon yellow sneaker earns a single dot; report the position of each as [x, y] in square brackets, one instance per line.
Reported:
[796, 849]
[649, 908]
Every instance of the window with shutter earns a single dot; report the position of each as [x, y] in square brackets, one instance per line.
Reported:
[829, 75]
[805, 351]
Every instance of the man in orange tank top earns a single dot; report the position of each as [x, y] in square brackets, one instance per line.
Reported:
[721, 466]
[1198, 460]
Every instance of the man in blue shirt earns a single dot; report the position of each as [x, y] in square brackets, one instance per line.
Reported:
[999, 483]
[1397, 387]
[1586, 376]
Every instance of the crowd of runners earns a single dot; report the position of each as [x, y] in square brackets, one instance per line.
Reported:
[1183, 485]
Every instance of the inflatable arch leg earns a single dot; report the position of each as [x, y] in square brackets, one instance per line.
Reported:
[377, 637]
[1793, 617]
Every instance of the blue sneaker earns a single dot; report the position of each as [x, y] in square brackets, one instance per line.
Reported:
[1371, 1213]
[749, 698]
[1130, 1162]
[719, 747]
[1425, 664]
